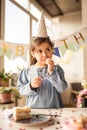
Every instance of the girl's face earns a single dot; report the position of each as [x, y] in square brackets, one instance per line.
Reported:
[41, 53]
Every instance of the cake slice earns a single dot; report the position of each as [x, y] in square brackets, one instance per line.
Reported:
[21, 113]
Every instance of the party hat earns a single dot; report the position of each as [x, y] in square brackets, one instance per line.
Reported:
[41, 27]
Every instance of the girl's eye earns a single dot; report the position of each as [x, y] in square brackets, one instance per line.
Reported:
[48, 49]
[40, 51]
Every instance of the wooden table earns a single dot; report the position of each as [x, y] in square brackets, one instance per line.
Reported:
[53, 124]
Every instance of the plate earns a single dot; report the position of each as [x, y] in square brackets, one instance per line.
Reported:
[32, 120]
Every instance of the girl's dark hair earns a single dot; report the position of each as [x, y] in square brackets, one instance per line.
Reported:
[35, 43]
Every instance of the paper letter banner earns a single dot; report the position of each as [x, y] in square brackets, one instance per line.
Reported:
[12, 50]
[69, 43]
[72, 42]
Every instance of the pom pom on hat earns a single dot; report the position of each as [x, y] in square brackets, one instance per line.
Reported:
[41, 27]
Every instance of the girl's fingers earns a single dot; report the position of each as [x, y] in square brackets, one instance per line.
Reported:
[49, 61]
[36, 82]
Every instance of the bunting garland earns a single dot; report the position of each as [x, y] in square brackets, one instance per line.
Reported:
[13, 50]
[72, 42]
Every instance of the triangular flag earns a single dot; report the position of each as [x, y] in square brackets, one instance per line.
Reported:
[56, 51]
[8, 53]
[71, 46]
[62, 50]
[85, 42]
[1, 51]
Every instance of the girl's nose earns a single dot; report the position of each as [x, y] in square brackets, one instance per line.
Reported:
[44, 53]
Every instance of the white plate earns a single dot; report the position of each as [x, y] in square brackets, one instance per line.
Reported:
[32, 120]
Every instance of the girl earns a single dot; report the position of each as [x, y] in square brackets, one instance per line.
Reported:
[43, 81]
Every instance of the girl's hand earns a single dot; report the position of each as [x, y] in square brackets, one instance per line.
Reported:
[50, 64]
[36, 82]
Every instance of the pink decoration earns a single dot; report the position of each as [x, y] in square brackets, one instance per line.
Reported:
[79, 101]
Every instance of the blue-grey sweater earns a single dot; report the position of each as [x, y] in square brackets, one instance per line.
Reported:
[46, 96]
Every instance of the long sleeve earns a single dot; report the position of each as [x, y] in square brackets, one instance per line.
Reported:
[48, 94]
[57, 79]
[24, 83]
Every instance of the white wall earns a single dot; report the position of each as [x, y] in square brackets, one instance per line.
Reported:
[73, 72]
[61, 27]
[66, 24]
